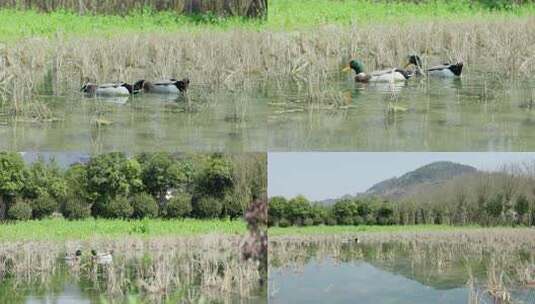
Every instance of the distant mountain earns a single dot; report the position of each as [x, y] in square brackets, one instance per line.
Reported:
[434, 173]
[397, 187]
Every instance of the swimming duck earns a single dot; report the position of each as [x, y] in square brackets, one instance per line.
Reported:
[388, 75]
[101, 258]
[170, 86]
[447, 70]
[73, 257]
[108, 89]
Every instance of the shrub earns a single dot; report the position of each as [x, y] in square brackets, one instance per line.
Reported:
[208, 207]
[144, 205]
[21, 211]
[284, 223]
[43, 205]
[119, 207]
[358, 220]
[331, 221]
[370, 219]
[346, 220]
[308, 222]
[233, 205]
[317, 220]
[178, 206]
[75, 209]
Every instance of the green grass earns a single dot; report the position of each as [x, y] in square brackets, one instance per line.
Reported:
[294, 230]
[59, 229]
[283, 15]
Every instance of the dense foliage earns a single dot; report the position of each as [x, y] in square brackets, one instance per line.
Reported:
[147, 185]
[489, 199]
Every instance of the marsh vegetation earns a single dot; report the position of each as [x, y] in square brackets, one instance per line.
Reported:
[473, 266]
[205, 268]
[281, 74]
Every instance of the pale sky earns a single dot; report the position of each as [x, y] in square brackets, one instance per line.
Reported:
[319, 176]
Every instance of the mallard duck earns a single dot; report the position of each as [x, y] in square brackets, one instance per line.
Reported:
[442, 70]
[170, 86]
[107, 89]
[101, 258]
[73, 258]
[388, 75]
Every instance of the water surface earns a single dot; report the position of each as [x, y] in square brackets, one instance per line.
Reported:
[480, 112]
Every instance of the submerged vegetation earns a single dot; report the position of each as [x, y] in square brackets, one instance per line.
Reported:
[145, 186]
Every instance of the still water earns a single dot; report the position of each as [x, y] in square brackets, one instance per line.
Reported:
[397, 273]
[222, 121]
[480, 112]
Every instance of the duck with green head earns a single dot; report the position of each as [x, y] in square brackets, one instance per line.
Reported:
[388, 75]
[446, 70]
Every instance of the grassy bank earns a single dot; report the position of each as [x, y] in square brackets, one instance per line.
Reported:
[283, 15]
[326, 230]
[59, 229]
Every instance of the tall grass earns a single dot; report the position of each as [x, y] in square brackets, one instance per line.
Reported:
[59, 229]
[236, 58]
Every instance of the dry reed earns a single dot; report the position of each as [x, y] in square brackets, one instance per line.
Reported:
[241, 59]
[210, 266]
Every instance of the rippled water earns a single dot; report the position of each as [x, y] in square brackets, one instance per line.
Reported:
[480, 112]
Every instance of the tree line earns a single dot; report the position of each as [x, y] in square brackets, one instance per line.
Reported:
[504, 197]
[146, 185]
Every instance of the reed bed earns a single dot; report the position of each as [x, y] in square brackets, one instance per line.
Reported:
[208, 267]
[241, 59]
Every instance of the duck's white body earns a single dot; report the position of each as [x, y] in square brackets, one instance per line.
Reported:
[390, 75]
[446, 70]
[106, 90]
[102, 258]
[112, 90]
[164, 87]
[441, 73]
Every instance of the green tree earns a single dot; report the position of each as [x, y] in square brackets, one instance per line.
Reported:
[45, 179]
[159, 173]
[233, 205]
[119, 207]
[215, 178]
[12, 173]
[345, 210]
[298, 209]
[44, 205]
[207, 207]
[144, 205]
[179, 206]
[21, 211]
[109, 176]
[277, 209]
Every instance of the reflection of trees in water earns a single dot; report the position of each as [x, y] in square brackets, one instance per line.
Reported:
[442, 260]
